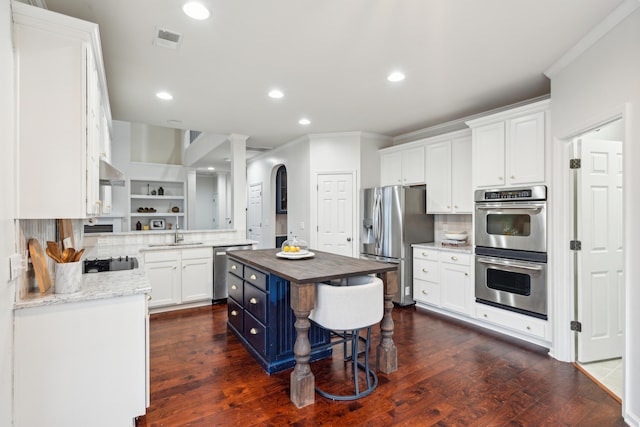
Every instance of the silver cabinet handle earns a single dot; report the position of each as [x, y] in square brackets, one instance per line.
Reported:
[253, 301]
[424, 270]
[253, 331]
[253, 277]
[234, 267]
[424, 254]
[425, 292]
[234, 313]
[234, 287]
[453, 258]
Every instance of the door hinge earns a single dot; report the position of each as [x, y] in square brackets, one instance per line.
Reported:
[575, 245]
[576, 326]
[575, 163]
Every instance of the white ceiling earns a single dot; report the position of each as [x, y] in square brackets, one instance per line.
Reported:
[331, 59]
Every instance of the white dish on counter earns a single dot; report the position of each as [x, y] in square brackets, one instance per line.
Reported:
[295, 255]
[456, 235]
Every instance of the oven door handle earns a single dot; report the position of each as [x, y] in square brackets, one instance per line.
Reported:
[509, 208]
[503, 263]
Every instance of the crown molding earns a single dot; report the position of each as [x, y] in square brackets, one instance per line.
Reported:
[592, 37]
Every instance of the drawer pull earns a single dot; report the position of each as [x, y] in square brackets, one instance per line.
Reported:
[485, 315]
[528, 328]
[234, 267]
[425, 292]
[466, 274]
[454, 258]
[424, 254]
[253, 331]
[253, 301]
[424, 270]
[234, 287]
[234, 313]
[253, 277]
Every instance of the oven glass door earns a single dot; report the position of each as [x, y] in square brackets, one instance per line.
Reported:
[519, 226]
[514, 284]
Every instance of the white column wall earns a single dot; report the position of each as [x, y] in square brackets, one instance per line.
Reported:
[602, 81]
[7, 213]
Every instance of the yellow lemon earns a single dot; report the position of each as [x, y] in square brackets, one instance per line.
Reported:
[286, 249]
[295, 249]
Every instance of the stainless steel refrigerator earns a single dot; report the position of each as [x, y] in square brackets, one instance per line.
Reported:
[393, 218]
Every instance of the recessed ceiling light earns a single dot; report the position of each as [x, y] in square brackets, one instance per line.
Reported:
[276, 94]
[196, 10]
[211, 168]
[304, 122]
[164, 95]
[396, 76]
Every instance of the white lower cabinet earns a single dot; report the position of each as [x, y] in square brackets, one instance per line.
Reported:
[180, 276]
[443, 279]
[520, 323]
[81, 363]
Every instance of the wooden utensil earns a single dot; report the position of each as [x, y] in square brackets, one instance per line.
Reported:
[78, 255]
[65, 227]
[39, 265]
[67, 254]
[55, 250]
[53, 256]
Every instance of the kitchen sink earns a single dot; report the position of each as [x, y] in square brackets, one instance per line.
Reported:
[156, 245]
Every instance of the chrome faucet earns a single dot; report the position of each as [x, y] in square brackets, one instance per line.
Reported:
[177, 238]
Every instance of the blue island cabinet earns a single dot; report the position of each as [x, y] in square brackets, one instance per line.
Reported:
[260, 316]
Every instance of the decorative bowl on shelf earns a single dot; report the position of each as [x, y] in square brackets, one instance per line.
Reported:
[175, 209]
[456, 235]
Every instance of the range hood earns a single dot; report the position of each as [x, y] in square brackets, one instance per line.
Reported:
[109, 175]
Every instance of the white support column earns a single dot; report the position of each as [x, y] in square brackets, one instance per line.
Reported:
[239, 180]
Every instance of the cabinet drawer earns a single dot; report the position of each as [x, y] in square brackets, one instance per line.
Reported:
[427, 292]
[455, 258]
[235, 315]
[255, 333]
[197, 253]
[426, 270]
[235, 287]
[235, 267]
[428, 254]
[158, 256]
[255, 301]
[255, 277]
[518, 322]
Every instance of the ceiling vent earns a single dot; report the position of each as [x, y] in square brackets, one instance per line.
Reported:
[167, 39]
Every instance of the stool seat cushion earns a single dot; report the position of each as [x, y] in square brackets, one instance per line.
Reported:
[341, 308]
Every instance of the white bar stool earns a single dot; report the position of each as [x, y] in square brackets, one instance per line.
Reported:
[345, 310]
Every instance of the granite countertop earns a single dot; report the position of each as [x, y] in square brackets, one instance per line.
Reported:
[94, 286]
[437, 245]
[217, 243]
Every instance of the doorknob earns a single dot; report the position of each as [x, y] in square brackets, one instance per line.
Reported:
[348, 239]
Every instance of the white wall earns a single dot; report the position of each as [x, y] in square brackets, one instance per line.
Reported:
[604, 81]
[7, 213]
[206, 218]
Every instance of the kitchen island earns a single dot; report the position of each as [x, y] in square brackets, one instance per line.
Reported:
[302, 275]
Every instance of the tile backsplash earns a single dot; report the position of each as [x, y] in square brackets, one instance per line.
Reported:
[451, 223]
[43, 230]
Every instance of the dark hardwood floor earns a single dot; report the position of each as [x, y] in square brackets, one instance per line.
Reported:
[450, 374]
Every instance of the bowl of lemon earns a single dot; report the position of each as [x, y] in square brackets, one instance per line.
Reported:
[294, 249]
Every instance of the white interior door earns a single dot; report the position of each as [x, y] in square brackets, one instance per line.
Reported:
[600, 271]
[335, 213]
[254, 213]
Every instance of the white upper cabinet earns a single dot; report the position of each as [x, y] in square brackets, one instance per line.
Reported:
[402, 166]
[448, 173]
[60, 91]
[509, 147]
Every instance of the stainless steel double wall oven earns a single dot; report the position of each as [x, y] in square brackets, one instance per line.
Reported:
[511, 249]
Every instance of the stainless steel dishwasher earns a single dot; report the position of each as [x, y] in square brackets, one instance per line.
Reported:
[220, 288]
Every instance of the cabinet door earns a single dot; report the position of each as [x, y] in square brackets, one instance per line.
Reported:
[461, 186]
[164, 277]
[488, 155]
[391, 169]
[455, 288]
[438, 174]
[413, 166]
[525, 149]
[197, 279]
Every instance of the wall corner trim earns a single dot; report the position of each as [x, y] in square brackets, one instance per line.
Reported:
[596, 33]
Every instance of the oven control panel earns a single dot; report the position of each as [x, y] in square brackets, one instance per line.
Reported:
[537, 192]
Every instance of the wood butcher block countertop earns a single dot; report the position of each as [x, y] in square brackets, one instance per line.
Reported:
[321, 267]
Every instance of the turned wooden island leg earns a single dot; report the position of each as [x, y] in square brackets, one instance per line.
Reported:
[302, 380]
[387, 353]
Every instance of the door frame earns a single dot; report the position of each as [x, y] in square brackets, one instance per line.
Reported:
[313, 235]
[561, 258]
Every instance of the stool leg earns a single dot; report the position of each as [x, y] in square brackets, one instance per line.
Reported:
[366, 357]
[354, 358]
